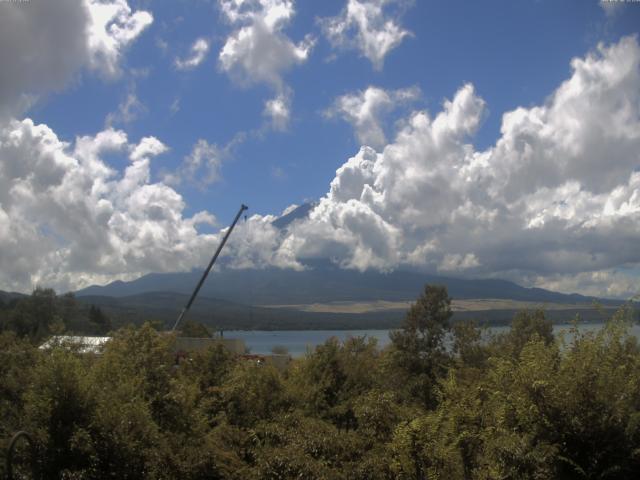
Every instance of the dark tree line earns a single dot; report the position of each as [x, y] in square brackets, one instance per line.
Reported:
[521, 405]
[43, 313]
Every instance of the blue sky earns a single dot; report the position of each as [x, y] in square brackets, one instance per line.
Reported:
[209, 142]
[515, 53]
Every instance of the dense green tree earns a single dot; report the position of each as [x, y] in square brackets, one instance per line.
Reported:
[145, 358]
[418, 450]
[4, 316]
[73, 315]
[99, 322]
[329, 380]
[36, 316]
[58, 411]
[17, 359]
[252, 392]
[527, 325]
[191, 328]
[522, 405]
[210, 367]
[378, 412]
[418, 357]
[298, 446]
[469, 346]
[551, 412]
[44, 313]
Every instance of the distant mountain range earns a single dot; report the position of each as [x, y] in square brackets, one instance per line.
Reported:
[245, 299]
[239, 297]
[324, 283]
[6, 297]
[280, 299]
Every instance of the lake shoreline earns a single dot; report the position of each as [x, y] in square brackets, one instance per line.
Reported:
[298, 342]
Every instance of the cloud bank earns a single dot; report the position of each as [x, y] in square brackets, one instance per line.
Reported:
[68, 219]
[555, 202]
[43, 44]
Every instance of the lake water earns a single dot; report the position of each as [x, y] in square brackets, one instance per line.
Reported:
[298, 342]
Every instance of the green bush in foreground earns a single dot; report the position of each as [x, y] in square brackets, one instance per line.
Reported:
[522, 405]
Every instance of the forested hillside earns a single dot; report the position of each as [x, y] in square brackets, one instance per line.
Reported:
[324, 282]
[520, 405]
[43, 313]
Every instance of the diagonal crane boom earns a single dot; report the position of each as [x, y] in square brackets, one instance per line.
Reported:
[243, 207]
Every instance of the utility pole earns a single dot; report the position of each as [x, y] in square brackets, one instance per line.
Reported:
[243, 207]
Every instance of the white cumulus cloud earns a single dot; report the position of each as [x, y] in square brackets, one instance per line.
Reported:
[112, 27]
[365, 111]
[201, 167]
[197, 54]
[278, 111]
[128, 110]
[610, 283]
[454, 262]
[257, 51]
[557, 195]
[43, 44]
[364, 25]
[555, 202]
[68, 219]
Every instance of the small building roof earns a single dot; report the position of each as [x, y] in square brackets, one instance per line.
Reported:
[83, 344]
[184, 344]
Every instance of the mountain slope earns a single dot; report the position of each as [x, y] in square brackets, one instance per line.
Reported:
[163, 307]
[325, 284]
[297, 213]
[6, 297]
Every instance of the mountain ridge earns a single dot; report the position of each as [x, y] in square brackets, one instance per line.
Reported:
[323, 282]
[274, 286]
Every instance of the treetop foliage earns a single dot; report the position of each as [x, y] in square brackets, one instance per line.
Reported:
[441, 401]
[43, 313]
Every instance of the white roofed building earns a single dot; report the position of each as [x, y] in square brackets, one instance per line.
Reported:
[82, 344]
